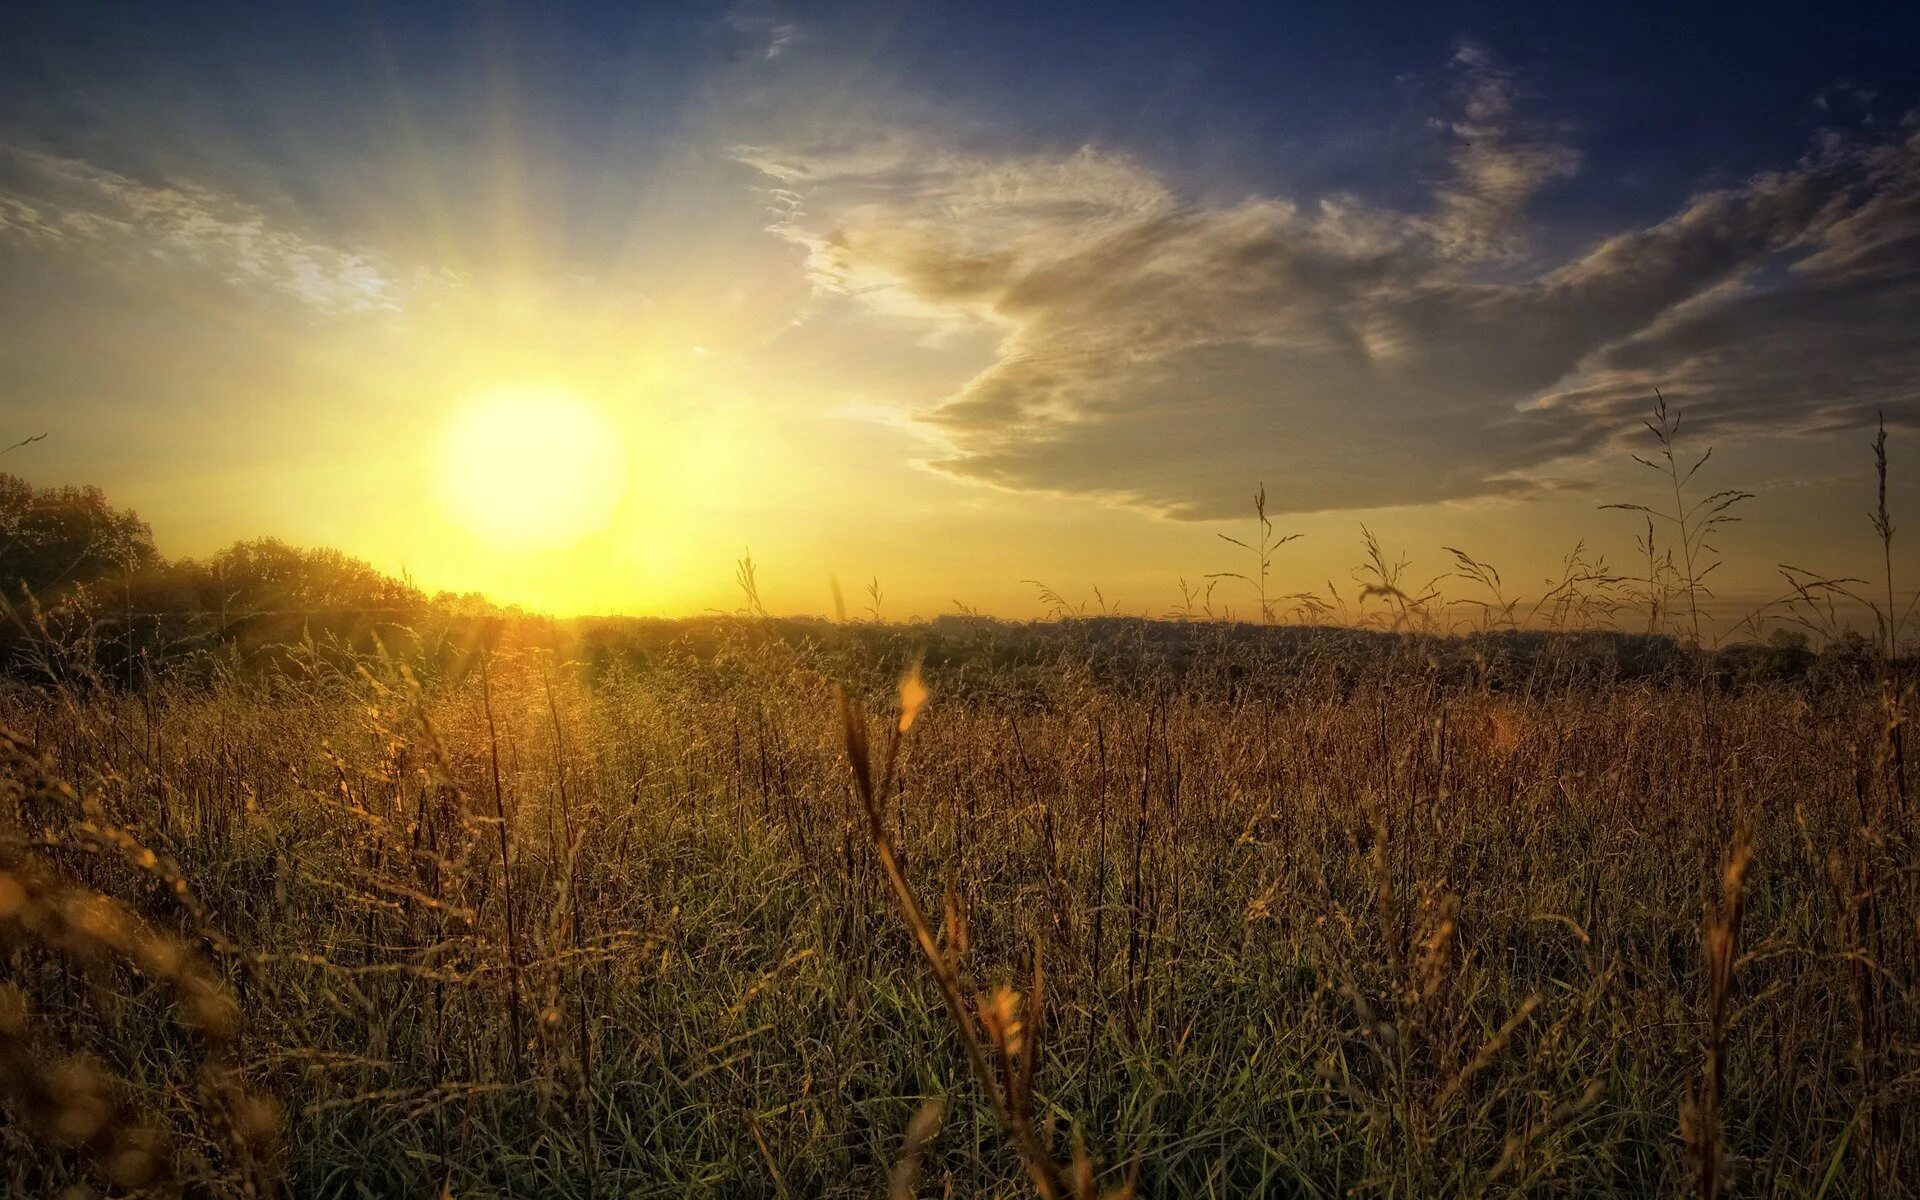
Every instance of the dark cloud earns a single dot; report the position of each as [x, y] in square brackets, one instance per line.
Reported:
[1165, 355]
[1815, 331]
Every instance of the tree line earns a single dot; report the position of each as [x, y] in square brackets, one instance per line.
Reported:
[79, 575]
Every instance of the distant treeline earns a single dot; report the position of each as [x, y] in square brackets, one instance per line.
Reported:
[1232, 659]
[88, 597]
[86, 590]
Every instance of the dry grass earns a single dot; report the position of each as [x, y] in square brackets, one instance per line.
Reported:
[1260, 924]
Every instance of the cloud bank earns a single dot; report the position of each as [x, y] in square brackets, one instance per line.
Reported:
[1167, 355]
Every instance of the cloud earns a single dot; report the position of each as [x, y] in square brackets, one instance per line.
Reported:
[1165, 354]
[63, 203]
[954, 229]
[1500, 160]
[1813, 331]
[764, 24]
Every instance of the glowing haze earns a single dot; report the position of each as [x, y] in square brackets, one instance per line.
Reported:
[573, 304]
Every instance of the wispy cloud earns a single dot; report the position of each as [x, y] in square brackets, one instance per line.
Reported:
[67, 204]
[939, 234]
[1163, 354]
[771, 31]
[1500, 159]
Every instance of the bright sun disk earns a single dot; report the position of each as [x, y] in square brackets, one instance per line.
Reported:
[531, 467]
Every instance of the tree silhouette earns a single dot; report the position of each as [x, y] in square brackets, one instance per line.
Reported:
[58, 538]
[267, 575]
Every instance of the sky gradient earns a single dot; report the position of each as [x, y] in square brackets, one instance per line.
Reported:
[964, 296]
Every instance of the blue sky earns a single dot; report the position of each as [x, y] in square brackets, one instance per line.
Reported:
[1128, 260]
[1226, 99]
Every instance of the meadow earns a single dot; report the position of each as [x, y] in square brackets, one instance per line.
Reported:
[1092, 906]
[1320, 920]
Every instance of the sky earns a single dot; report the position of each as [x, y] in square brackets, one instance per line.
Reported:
[576, 304]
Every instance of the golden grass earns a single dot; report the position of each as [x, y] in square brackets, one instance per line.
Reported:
[1264, 923]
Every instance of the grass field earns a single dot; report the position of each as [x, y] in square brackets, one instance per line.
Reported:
[1250, 920]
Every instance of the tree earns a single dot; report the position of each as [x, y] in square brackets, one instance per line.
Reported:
[59, 538]
[267, 575]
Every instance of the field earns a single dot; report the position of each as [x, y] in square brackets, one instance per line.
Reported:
[1318, 916]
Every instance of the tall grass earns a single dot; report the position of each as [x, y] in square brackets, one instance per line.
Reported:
[1301, 931]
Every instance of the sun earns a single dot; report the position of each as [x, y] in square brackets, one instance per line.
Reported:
[531, 467]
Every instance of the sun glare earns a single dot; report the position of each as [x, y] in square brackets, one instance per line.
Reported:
[531, 468]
